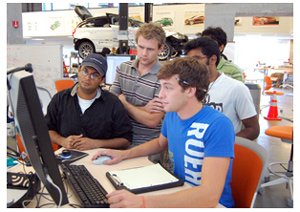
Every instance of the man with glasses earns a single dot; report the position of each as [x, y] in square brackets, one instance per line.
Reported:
[225, 94]
[87, 117]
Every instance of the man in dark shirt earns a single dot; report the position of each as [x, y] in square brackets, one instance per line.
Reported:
[87, 117]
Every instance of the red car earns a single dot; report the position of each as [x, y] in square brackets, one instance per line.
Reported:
[195, 19]
[264, 20]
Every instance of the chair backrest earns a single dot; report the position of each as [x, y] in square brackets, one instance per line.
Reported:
[247, 168]
[62, 84]
[255, 91]
[268, 83]
[22, 149]
[244, 75]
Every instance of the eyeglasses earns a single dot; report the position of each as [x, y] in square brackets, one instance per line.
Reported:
[92, 76]
[183, 81]
[199, 57]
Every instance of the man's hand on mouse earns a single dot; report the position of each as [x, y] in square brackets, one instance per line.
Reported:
[116, 156]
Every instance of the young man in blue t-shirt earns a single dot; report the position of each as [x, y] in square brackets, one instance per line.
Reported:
[200, 142]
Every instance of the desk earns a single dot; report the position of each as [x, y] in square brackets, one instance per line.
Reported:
[99, 171]
[286, 76]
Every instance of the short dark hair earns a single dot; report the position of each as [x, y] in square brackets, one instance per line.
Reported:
[207, 46]
[217, 34]
[191, 74]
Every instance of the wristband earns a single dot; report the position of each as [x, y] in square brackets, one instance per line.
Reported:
[144, 202]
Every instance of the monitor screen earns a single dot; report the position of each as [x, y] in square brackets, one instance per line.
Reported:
[113, 61]
[33, 131]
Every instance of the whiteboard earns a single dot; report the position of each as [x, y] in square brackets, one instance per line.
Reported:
[46, 60]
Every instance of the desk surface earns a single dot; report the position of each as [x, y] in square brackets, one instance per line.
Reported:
[99, 171]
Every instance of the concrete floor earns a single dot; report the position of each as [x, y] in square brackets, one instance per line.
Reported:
[275, 196]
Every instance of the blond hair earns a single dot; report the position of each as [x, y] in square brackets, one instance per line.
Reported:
[152, 31]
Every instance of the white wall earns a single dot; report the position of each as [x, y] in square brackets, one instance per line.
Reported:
[36, 24]
[268, 50]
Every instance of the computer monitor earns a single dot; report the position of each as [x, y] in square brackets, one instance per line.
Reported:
[33, 131]
[113, 61]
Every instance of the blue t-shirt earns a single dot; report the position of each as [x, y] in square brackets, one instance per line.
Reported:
[209, 133]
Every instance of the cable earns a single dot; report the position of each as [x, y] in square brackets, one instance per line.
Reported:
[10, 155]
[51, 202]
[58, 189]
[69, 195]
[9, 95]
[130, 40]
[38, 199]
[46, 204]
[25, 201]
[17, 154]
[75, 205]
[41, 194]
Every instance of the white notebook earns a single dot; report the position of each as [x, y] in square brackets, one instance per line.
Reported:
[143, 179]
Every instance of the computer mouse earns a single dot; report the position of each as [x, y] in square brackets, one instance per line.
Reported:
[100, 160]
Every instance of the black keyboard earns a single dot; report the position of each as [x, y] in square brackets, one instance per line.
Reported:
[87, 188]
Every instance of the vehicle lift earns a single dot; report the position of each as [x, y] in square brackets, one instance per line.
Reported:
[123, 24]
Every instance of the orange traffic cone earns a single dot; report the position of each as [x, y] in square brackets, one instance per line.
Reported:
[273, 111]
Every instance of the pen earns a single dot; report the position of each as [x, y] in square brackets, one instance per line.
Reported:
[117, 180]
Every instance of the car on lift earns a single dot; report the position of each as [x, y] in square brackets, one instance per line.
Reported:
[101, 34]
[195, 19]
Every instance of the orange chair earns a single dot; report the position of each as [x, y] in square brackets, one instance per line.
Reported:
[282, 170]
[22, 149]
[62, 84]
[247, 168]
[268, 85]
[268, 91]
[244, 75]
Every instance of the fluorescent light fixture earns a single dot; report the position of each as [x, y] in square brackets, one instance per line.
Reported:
[37, 39]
